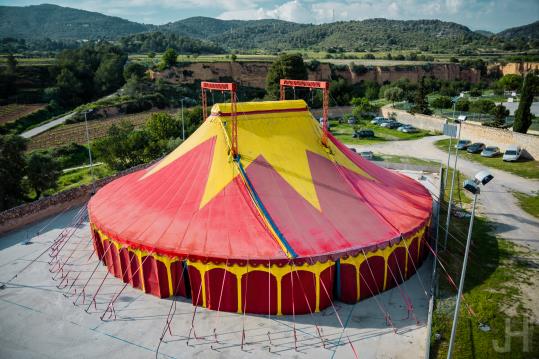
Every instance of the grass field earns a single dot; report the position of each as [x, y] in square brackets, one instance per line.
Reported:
[529, 203]
[344, 133]
[14, 111]
[493, 292]
[81, 177]
[524, 168]
[76, 132]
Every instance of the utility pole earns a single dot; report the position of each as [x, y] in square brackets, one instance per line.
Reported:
[183, 127]
[89, 150]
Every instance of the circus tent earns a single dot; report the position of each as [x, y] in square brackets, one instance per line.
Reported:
[287, 225]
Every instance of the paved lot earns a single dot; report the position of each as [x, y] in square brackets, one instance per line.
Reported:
[38, 320]
[496, 200]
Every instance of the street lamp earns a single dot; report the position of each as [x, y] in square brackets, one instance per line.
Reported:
[472, 186]
[459, 120]
[89, 148]
[454, 100]
[183, 127]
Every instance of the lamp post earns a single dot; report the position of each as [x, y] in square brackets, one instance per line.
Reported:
[472, 186]
[89, 149]
[183, 127]
[454, 100]
[460, 120]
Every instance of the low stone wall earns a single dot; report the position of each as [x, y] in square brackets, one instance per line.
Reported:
[27, 213]
[470, 131]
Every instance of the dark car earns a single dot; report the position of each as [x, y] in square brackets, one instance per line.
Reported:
[475, 147]
[363, 134]
[392, 125]
[463, 144]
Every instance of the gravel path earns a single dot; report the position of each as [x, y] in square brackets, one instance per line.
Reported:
[496, 200]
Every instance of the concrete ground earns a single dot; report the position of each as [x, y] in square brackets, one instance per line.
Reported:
[495, 201]
[39, 320]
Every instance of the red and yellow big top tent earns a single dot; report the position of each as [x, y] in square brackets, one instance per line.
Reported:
[284, 226]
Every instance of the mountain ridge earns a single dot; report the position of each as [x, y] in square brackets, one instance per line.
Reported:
[65, 23]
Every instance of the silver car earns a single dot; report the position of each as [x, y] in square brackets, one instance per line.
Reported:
[368, 155]
[490, 151]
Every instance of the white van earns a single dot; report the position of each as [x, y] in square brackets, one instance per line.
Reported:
[512, 153]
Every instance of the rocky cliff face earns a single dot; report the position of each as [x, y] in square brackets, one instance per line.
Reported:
[519, 68]
[253, 74]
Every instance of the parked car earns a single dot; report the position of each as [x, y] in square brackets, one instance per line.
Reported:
[352, 149]
[512, 153]
[366, 154]
[351, 121]
[491, 151]
[363, 133]
[407, 129]
[378, 120]
[463, 144]
[475, 147]
[391, 124]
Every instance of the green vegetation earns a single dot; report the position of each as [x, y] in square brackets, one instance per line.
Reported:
[421, 105]
[343, 132]
[404, 159]
[529, 203]
[169, 59]
[524, 168]
[42, 172]
[369, 36]
[79, 177]
[492, 290]
[160, 41]
[523, 116]
[12, 170]
[286, 66]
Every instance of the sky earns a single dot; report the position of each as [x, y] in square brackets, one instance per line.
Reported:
[491, 15]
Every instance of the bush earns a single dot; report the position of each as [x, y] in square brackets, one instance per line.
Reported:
[442, 102]
[462, 105]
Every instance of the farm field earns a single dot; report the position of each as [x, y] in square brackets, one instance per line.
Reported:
[14, 111]
[76, 132]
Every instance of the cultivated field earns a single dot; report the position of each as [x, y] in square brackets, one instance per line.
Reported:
[76, 132]
[14, 111]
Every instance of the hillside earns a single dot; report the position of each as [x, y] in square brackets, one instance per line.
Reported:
[530, 31]
[63, 23]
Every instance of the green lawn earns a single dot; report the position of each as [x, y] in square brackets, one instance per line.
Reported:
[495, 272]
[529, 203]
[80, 177]
[404, 159]
[523, 168]
[344, 133]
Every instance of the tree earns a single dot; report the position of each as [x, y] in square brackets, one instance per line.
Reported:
[233, 57]
[163, 126]
[123, 147]
[362, 107]
[134, 69]
[462, 105]
[43, 172]
[510, 82]
[286, 66]
[12, 170]
[394, 94]
[523, 116]
[442, 102]
[421, 105]
[11, 64]
[109, 74]
[500, 113]
[482, 106]
[170, 58]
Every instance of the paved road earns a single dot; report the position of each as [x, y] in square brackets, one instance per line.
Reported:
[496, 201]
[47, 126]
